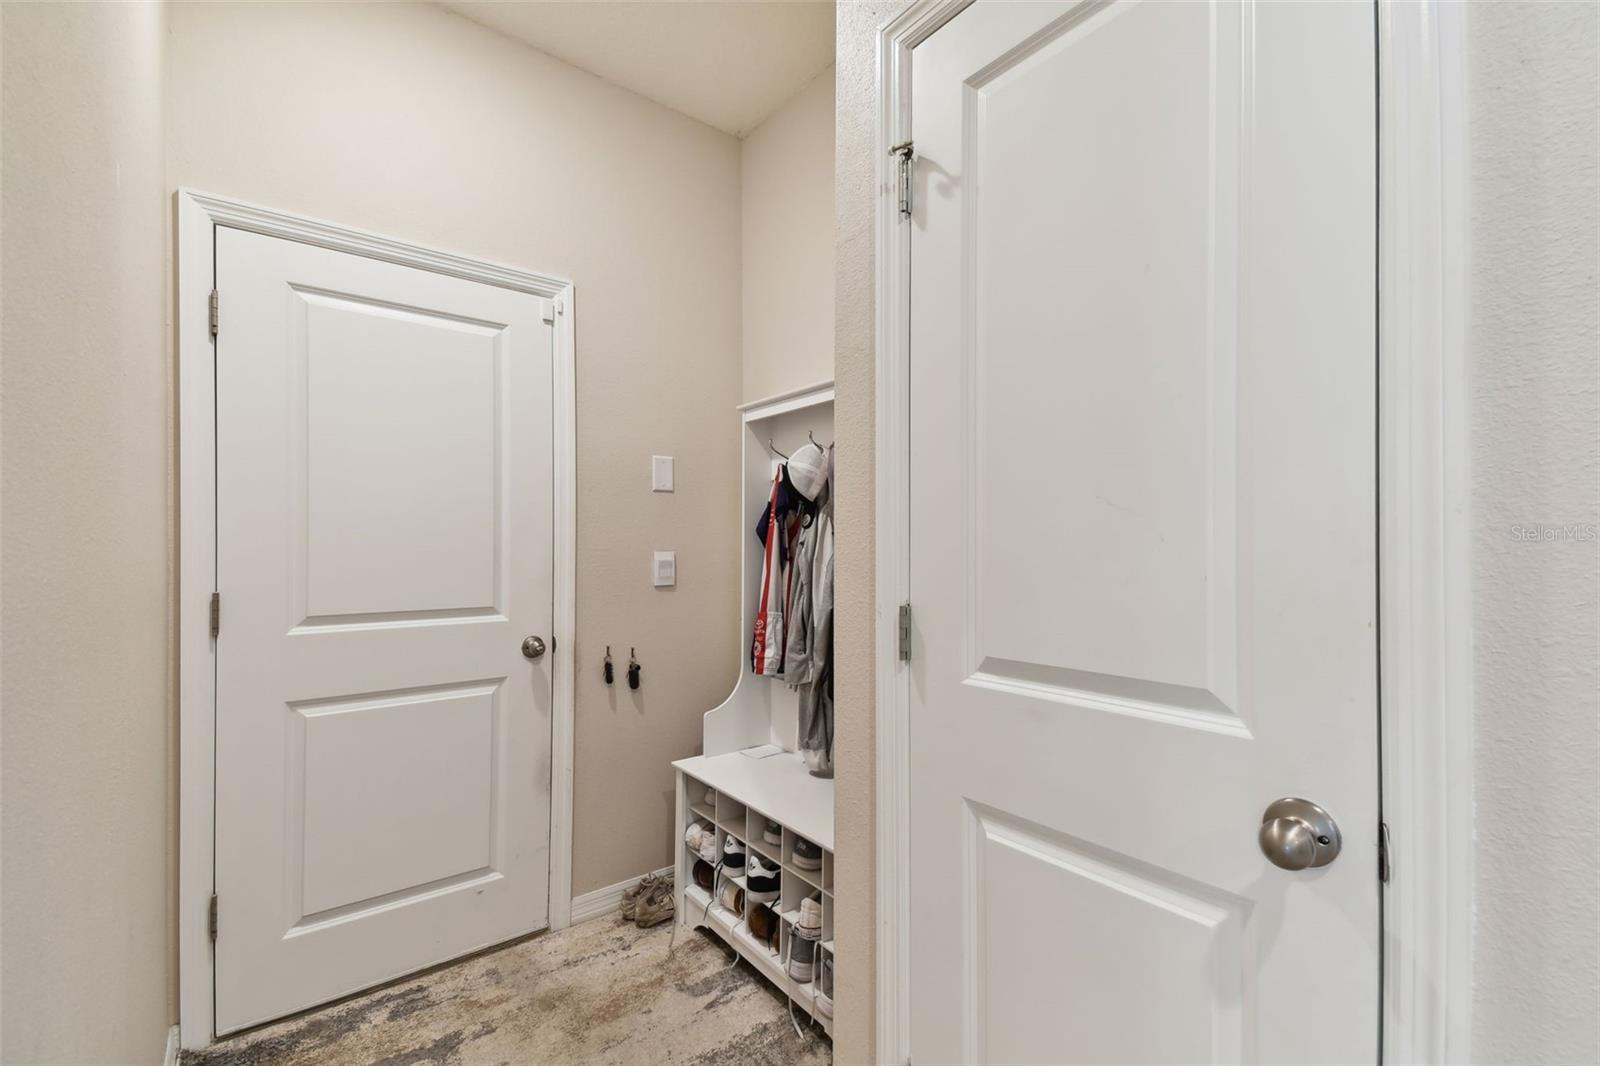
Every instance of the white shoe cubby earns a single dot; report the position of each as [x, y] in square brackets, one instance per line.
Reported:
[731, 789]
[739, 808]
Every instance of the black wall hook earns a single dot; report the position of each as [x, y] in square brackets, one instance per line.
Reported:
[610, 672]
[633, 669]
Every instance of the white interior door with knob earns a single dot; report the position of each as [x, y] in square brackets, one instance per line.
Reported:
[384, 507]
[1143, 564]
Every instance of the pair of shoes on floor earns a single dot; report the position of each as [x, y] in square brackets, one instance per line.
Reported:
[803, 944]
[632, 896]
[762, 879]
[650, 902]
[807, 855]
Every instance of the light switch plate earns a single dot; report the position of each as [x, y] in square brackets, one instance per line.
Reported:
[665, 569]
[661, 473]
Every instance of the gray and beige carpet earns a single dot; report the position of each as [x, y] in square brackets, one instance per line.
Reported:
[601, 992]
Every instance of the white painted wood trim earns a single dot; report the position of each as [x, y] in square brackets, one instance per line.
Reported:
[565, 634]
[198, 214]
[783, 403]
[603, 901]
[306, 230]
[896, 38]
[170, 1058]
[1424, 489]
[804, 392]
[197, 569]
[1425, 650]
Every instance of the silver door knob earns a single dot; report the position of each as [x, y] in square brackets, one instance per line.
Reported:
[1296, 834]
[533, 647]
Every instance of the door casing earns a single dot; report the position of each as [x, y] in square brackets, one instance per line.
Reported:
[198, 215]
[1425, 678]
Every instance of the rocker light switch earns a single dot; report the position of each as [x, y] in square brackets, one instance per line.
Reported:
[666, 569]
[661, 473]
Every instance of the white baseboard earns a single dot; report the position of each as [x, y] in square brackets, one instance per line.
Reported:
[604, 900]
[171, 1057]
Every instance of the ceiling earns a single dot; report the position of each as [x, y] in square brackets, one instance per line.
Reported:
[728, 63]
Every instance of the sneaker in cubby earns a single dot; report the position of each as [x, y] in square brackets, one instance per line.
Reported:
[763, 922]
[809, 924]
[825, 985]
[733, 855]
[807, 855]
[761, 879]
[732, 897]
[802, 958]
[697, 832]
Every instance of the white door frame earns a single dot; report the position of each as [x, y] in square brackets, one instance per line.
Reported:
[1425, 683]
[198, 214]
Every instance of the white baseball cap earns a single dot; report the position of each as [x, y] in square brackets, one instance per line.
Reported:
[808, 470]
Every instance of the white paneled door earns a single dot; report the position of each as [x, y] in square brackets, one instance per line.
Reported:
[1142, 533]
[383, 548]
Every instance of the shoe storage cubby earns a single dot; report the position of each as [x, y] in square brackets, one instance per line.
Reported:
[737, 807]
[751, 773]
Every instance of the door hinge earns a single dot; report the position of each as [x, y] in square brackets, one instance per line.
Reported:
[211, 918]
[905, 632]
[213, 312]
[1385, 870]
[216, 613]
[903, 150]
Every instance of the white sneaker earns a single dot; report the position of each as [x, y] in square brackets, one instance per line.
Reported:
[693, 835]
[809, 924]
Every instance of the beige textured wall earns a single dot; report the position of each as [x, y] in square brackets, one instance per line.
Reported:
[1533, 73]
[418, 124]
[787, 180]
[855, 204]
[85, 838]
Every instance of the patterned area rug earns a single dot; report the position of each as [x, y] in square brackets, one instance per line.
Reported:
[604, 991]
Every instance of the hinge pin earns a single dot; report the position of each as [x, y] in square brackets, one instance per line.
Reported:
[216, 613]
[211, 917]
[904, 150]
[213, 312]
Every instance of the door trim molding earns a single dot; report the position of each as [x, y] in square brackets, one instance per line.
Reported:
[198, 214]
[1424, 532]
[892, 301]
[1423, 536]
